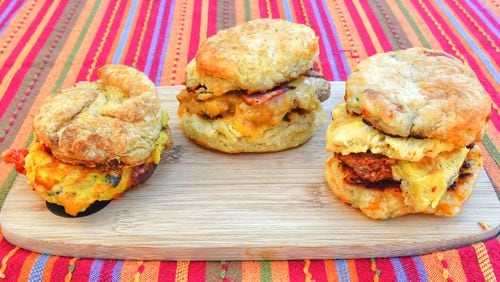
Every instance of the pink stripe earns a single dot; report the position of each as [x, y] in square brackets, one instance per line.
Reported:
[296, 270]
[19, 76]
[263, 9]
[386, 269]
[317, 270]
[379, 31]
[212, 18]
[275, 11]
[82, 269]
[167, 271]
[470, 264]
[493, 247]
[325, 63]
[136, 33]
[60, 269]
[155, 65]
[364, 270]
[107, 270]
[148, 37]
[299, 16]
[475, 32]
[410, 268]
[197, 271]
[195, 31]
[360, 27]
[486, 14]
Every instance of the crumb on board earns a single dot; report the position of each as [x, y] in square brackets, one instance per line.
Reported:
[484, 226]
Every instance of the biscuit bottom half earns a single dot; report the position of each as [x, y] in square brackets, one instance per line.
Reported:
[385, 199]
[76, 187]
[219, 135]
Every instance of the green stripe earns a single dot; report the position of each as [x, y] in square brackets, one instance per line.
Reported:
[234, 272]
[413, 24]
[212, 271]
[248, 14]
[266, 273]
[78, 44]
[492, 149]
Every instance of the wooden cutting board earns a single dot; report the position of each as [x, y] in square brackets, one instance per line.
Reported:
[205, 205]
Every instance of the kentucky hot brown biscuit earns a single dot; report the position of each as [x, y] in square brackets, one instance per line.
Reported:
[403, 141]
[95, 140]
[251, 88]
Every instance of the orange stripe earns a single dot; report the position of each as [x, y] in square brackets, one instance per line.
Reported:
[250, 271]
[331, 271]
[279, 270]
[455, 267]
[151, 271]
[71, 268]
[368, 26]
[484, 262]
[203, 21]
[47, 270]
[27, 265]
[433, 267]
[182, 271]
[254, 7]
[21, 57]
[352, 270]
[129, 269]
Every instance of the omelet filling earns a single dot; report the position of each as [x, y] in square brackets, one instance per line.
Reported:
[425, 167]
[76, 187]
[252, 120]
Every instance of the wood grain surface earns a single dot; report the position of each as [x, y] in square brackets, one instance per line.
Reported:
[205, 205]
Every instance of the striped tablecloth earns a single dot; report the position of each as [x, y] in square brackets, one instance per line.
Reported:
[48, 45]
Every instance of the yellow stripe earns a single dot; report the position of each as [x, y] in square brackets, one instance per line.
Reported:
[5, 260]
[484, 262]
[181, 272]
[306, 270]
[28, 46]
[71, 268]
[250, 271]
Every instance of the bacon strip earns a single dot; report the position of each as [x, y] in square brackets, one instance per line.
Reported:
[261, 98]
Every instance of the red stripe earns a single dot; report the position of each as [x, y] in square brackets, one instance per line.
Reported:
[148, 37]
[475, 32]
[487, 15]
[459, 46]
[299, 16]
[386, 269]
[335, 51]
[317, 270]
[167, 271]
[82, 76]
[82, 269]
[19, 76]
[263, 9]
[360, 27]
[470, 264]
[5, 247]
[296, 270]
[195, 31]
[15, 264]
[60, 268]
[364, 269]
[377, 28]
[212, 18]
[12, 12]
[107, 270]
[275, 11]
[135, 34]
[197, 271]
[325, 63]
[410, 268]
[493, 247]
[155, 65]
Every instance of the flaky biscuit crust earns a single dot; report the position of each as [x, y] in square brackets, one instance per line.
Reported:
[419, 92]
[255, 56]
[390, 202]
[113, 121]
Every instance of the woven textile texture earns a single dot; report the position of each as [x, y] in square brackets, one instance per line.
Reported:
[49, 45]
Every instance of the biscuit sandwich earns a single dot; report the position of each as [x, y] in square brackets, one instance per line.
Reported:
[95, 140]
[404, 140]
[252, 88]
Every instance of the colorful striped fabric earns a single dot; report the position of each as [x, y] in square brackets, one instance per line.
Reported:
[48, 45]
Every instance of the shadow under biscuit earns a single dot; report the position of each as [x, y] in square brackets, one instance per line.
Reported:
[59, 210]
[172, 155]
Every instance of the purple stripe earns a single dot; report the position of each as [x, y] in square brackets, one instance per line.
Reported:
[7, 15]
[486, 21]
[95, 270]
[337, 40]
[422, 273]
[399, 270]
[328, 48]
[156, 33]
[36, 272]
[125, 32]
[165, 43]
[117, 270]
[490, 13]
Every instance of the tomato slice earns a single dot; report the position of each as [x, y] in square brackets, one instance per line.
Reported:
[16, 157]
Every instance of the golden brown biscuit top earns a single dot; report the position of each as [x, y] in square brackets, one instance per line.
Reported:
[114, 120]
[421, 93]
[255, 56]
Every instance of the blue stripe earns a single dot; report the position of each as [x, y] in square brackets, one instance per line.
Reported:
[422, 273]
[470, 41]
[156, 34]
[328, 47]
[337, 41]
[95, 270]
[116, 276]
[399, 270]
[165, 43]
[483, 17]
[5, 13]
[342, 270]
[125, 32]
[36, 272]
[288, 12]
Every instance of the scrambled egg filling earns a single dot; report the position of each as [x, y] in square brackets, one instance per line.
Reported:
[252, 121]
[425, 167]
[76, 187]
